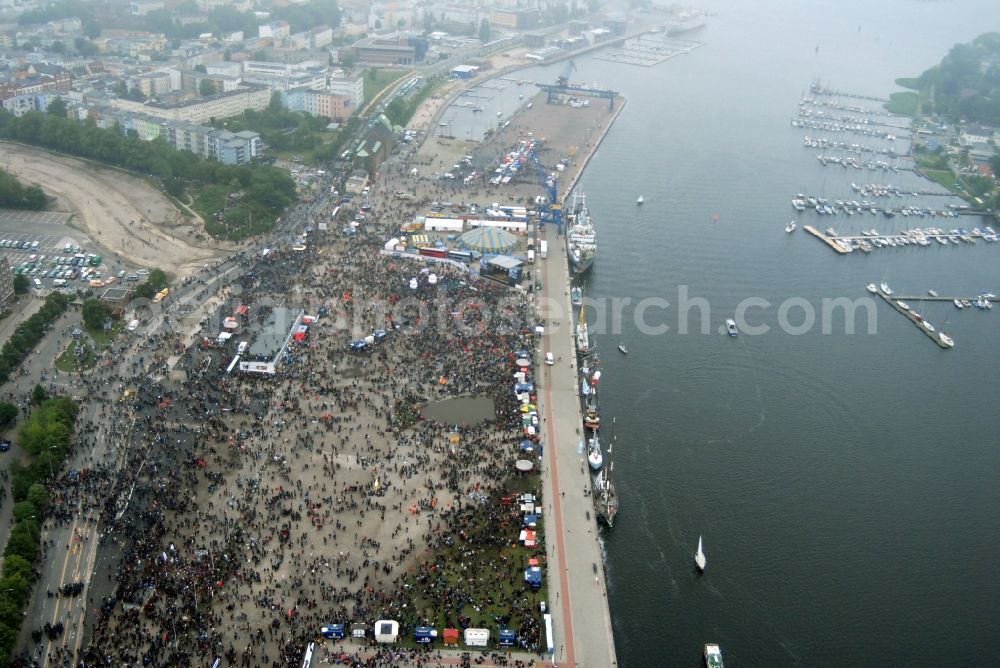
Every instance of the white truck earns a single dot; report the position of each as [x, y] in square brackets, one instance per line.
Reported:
[543, 249]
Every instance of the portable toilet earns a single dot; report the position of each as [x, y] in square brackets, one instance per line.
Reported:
[379, 335]
[358, 630]
[477, 637]
[386, 631]
[506, 638]
[424, 635]
[332, 631]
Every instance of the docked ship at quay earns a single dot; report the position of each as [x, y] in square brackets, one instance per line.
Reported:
[581, 239]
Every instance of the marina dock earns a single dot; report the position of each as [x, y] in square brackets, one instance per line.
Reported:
[915, 318]
[646, 51]
[847, 243]
[829, 241]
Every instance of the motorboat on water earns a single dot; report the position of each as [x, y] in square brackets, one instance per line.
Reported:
[871, 288]
[713, 656]
[594, 456]
[622, 348]
[576, 296]
[640, 200]
[958, 304]
[699, 557]
[885, 288]
[790, 227]
[946, 340]
[731, 327]
[932, 293]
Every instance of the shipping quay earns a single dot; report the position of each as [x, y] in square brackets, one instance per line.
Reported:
[576, 574]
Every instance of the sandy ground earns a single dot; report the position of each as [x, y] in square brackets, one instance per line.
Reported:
[120, 212]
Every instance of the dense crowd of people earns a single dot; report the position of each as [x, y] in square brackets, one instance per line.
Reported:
[245, 512]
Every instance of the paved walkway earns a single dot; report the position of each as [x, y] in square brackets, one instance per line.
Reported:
[582, 621]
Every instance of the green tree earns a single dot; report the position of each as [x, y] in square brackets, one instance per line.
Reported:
[995, 165]
[85, 47]
[206, 87]
[23, 541]
[158, 279]
[485, 31]
[275, 106]
[21, 284]
[94, 312]
[24, 510]
[38, 495]
[16, 566]
[57, 107]
[348, 59]
[38, 395]
[8, 414]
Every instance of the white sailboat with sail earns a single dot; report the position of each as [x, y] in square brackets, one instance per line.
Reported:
[699, 557]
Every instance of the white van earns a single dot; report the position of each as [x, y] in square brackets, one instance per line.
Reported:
[549, 359]
[38, 284]
[133, 325]
[242, 348]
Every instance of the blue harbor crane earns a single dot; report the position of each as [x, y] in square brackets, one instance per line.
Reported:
[551, 208]
[563, 79]
[562, 87]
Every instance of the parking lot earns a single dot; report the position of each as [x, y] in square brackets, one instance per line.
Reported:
[40, 245]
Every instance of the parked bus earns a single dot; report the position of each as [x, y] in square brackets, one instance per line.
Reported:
[433, 252]
[460, 255]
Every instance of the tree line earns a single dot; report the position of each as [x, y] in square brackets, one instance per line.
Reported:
[47, 437]
[258, 191]
[28, 333]
[966, 83]
[15, 195]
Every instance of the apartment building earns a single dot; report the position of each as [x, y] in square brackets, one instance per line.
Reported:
[220, 105]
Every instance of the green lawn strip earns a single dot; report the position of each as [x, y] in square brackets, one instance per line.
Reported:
[374, 85]
[942, 177]
[69, 361]
[903, 104]
[913, 83]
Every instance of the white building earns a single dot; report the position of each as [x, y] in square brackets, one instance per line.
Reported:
[350, 87]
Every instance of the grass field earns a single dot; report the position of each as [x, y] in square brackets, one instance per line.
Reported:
[382, 78]
[103, 338]
[71, 361]
[209, 201]
[903, 104]
[942, 177]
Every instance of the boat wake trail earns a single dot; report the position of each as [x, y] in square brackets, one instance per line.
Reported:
[651, 538]
[761, 410]
[735, 393]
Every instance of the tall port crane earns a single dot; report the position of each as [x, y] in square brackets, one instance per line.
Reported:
[551, 208]
[563, 79]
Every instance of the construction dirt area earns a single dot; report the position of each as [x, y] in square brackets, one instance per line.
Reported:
[120, 212]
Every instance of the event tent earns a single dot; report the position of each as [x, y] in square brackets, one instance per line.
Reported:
[488, 240]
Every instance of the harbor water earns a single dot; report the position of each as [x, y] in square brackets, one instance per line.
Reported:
[845, 484]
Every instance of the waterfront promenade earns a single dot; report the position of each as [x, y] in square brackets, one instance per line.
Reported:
[576, 575]
[577, 589]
